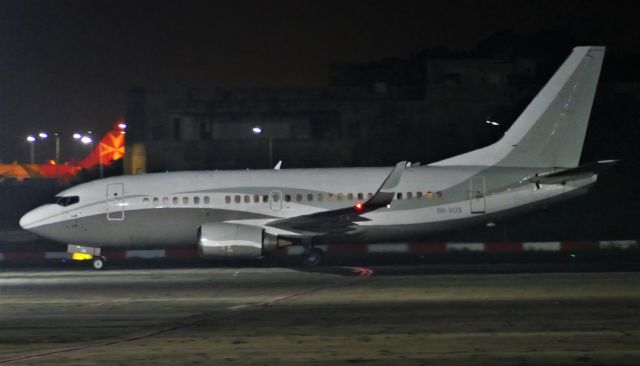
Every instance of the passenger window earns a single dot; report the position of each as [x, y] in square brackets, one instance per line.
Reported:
[165, 201]
[350, 196]
[156, 201]
[145, 200]
[175, 200]
[429, 195]
[298, 198]
[309, 197]
[287, 198]
[369, 195]
[236, 199]
[196, 200]
[399, 195]
[418, 194]
[275, 196]
[320, 197]
[265, 198]
[247, 199]
[409, 195]
[329, 196]
[227, 199]
[207, 200]
[360, 196]
[439, 194]
[340, 196]
[185, 200]
[256, 198]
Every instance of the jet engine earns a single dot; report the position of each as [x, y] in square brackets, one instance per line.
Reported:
[220, 240]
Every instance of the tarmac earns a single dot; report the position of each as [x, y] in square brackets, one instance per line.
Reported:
[386, 315]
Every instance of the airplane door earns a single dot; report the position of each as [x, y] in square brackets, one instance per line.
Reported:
[275, 200]
[477, 192]
[115, 202]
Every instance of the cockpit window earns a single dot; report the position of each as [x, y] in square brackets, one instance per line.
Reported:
[67, 200]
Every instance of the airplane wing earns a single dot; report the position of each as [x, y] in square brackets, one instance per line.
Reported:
[342, 221]
[579, 172]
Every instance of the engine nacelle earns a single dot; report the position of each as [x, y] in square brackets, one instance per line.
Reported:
[219, 240]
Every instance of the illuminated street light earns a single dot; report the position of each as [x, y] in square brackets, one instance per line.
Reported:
[43, 135]
[493, 123]
[122, 126]
[77, 136]
[257, 130]
[31, 138]
[86, 140]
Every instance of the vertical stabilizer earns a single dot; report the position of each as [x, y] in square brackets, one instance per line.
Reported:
[551, 130]
[109, 149]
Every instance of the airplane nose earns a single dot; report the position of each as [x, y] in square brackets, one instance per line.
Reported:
[35, 217]
[27, 219]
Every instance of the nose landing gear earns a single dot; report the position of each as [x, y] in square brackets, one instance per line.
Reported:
[82, 253]
[98, 263]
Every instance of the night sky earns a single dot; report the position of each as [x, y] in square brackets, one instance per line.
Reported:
[66, 65]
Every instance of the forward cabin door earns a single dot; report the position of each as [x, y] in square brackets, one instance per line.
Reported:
[477, 192]
[115, 202]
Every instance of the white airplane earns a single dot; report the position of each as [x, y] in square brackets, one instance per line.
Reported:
[251, 213]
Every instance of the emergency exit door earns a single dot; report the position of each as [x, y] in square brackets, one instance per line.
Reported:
[477, 193]
[115, 202]
[275, 200]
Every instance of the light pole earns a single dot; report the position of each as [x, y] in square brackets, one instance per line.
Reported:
[31, 140]
[57, 136]
[257, 130]
[44, 136]
[89, 141]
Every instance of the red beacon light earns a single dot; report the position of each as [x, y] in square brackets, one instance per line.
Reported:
[359, 206]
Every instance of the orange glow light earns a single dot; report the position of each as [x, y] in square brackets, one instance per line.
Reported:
[359, 206]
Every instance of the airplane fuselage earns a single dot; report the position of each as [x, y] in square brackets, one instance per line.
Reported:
[167, 208]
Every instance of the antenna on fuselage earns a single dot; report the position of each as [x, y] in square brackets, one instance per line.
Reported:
[277, 167]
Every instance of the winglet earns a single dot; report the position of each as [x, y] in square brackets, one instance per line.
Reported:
[385, 193]
[277, 167]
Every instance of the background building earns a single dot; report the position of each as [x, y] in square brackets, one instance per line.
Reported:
[370, 114]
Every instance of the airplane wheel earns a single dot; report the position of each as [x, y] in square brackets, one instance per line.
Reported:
[98, 263]
[312, 257]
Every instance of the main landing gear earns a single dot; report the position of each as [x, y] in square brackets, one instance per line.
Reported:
[312, 257]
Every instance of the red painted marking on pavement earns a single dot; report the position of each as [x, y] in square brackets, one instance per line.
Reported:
[503, 247]
[23, 256]
[347, 249]
[181, 252]
[114, 254]
[424, 248]
[578, 245]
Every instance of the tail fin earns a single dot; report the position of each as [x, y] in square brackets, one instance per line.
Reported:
[109, 149]
[551, 130]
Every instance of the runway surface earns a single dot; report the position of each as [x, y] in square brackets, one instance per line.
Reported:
[377, 316]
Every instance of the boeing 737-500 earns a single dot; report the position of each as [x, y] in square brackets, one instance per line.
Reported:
[253, 212]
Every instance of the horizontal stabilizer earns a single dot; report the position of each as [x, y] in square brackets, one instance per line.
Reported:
[582, 171]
